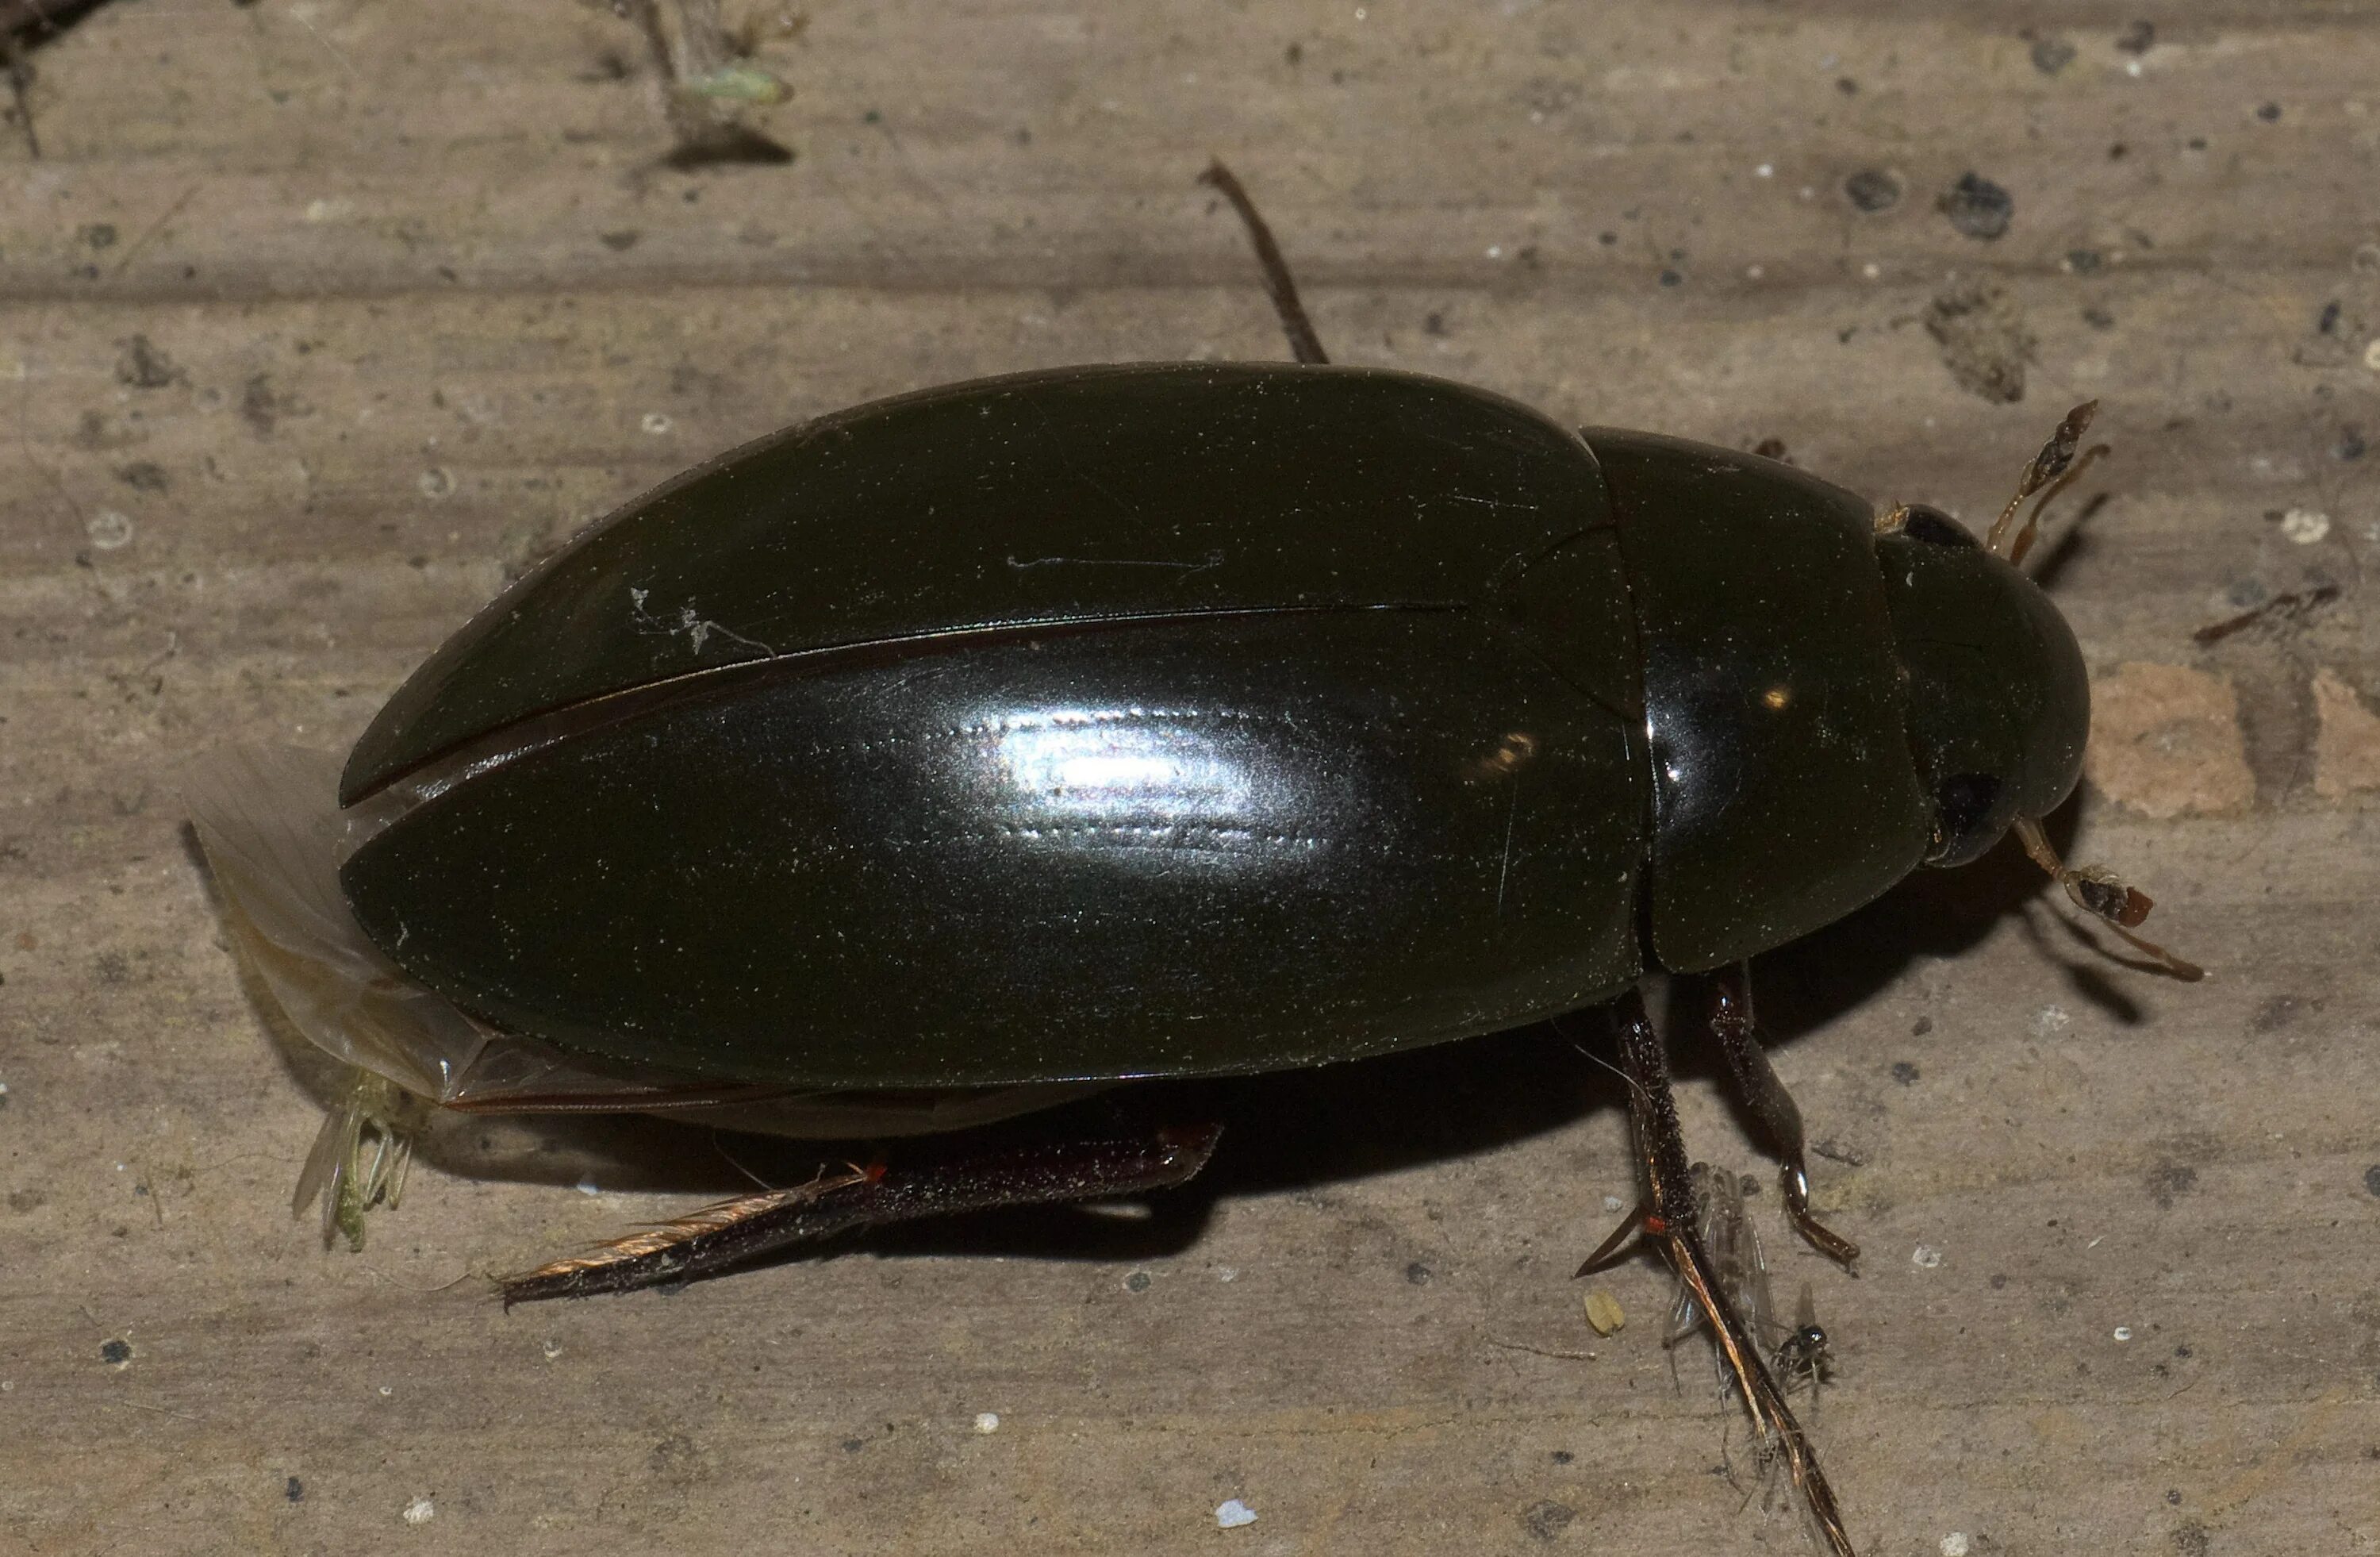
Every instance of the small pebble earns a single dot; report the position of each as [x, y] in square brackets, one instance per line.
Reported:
[2372, 354]
[1137, 1282]
[553, 1350]
[987, 1421]
[589, 1186]
[656, 423]
[2123, 1333]
[436, 484]
[1955, 1544]
[2305, 526]
[109, 530]
[420, 1510]
[1614, 1203]
[1926, 1257]
[1230, 1514]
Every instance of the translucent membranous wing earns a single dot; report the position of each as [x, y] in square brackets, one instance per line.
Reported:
[273, 832]
[1740, 1268]
[275, 835]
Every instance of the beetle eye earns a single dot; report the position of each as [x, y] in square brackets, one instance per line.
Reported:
[1936, 528]
[1965, 818]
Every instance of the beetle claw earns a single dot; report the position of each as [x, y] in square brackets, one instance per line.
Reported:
[1796, 1184]
[1641, 1220]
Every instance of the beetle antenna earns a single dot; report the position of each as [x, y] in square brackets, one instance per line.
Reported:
[2057, 456]
[2105, 896]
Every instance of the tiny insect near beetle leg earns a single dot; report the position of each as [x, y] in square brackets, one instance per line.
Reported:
[975, 749]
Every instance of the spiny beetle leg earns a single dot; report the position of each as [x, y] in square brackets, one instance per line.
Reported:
[717, 1237]
[1661, 1150]
[1733, 1025]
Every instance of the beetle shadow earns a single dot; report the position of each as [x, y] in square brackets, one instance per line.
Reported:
[1293, 1132]
[1940, 914]
[1302, 1130]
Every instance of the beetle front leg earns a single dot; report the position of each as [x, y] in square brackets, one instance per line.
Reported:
[734, 1231]
[1733, 1025]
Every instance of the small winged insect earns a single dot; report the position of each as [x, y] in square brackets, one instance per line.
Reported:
[1738, 1267]
[1805, 1358]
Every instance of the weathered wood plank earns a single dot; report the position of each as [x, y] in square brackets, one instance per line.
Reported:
[317, 320]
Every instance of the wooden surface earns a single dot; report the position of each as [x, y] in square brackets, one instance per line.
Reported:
[319, 320]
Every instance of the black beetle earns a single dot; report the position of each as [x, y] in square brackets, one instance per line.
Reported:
[954, 754]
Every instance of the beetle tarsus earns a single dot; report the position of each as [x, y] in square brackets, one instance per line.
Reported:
[2100, 893]
[2054, 461]
[1733, 1025]
[732, 1231]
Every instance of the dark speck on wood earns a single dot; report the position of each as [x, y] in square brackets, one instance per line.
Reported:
[1978, 207]
[1872, 189]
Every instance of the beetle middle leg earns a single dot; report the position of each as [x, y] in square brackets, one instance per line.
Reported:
[734, 1231]
[1732, 1024]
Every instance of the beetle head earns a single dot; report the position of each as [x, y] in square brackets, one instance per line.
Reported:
[1998, 705]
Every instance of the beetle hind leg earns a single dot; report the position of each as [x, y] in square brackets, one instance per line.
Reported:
[1304, 344]
[1732, 1024]
[715, 1237]
[1661, 1153]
